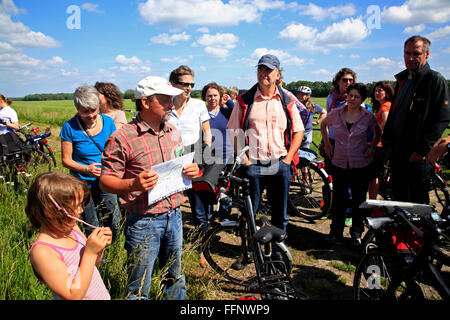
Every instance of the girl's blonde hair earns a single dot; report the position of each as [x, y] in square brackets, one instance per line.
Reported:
[63, 188]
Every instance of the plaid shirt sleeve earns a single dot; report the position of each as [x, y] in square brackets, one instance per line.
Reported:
[114, 157]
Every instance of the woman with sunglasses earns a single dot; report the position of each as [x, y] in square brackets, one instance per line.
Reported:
[190, 116]
[336, 99]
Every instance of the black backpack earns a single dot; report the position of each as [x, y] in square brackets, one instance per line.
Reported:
[11, 144]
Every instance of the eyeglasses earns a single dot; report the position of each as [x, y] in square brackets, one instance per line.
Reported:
[347, 79]
[185, 84]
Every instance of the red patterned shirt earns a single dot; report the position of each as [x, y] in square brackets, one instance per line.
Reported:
[135, 148]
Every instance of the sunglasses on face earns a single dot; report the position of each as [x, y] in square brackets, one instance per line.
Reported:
[347, 79]
[185, 84]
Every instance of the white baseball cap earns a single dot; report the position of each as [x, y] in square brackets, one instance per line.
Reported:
[155, 85]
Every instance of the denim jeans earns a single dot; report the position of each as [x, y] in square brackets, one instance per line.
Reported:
[148, 237]
[277, 178]
[102, 210]
[200, 209]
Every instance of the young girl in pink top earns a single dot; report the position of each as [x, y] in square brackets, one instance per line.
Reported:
[62, 257]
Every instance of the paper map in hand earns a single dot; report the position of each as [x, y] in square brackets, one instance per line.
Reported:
[171, 179]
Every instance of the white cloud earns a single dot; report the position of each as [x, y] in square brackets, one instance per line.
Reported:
[354, 56]
[8, 7]
[381, 63]
[323, 72]
[439, 33]
[319, 13]
[56, 61]
[203, 30]
[170, 40]
[218, 45]
[344, 33]
[298, 32]
[177, 60]
[286, 59]
[206, 13]
[447, 50]
[20, 36]
[132, 65]
[223, 40]
[20, 61]
[91, 7]
[414, 29]
[339, 35]
[414, 12]
[215, 52]
[67, 73]
[6, 47]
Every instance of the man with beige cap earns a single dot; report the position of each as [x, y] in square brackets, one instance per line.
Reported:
[155, 230]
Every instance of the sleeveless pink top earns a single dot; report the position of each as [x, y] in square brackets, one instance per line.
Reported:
[72, 259]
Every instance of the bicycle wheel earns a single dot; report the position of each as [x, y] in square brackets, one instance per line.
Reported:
[48, 151]
[439, 195]
[379, 277]
[226, 249]
[39, 162]
[311, 192]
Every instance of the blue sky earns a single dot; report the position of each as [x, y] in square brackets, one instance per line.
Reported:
[47, 47]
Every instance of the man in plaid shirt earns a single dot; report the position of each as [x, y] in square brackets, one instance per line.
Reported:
[155, 230]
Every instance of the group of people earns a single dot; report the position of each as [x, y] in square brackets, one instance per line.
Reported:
[115, 160]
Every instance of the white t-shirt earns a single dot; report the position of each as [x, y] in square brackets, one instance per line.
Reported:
[10, 116]
[189, 123]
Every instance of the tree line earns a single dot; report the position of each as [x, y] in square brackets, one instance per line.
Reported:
[319, 89]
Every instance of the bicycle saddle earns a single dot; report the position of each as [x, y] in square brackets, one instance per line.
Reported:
[268, 233]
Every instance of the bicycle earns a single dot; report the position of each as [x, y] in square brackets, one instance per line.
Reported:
[42, 153]
[438, 188]
[13, 170]
[245, 254]
[411, 247]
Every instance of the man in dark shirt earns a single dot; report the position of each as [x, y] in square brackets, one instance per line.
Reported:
[416, 120]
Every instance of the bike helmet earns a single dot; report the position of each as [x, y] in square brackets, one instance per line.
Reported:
[304, 89]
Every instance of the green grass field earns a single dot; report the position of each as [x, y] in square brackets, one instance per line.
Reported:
[17, 280]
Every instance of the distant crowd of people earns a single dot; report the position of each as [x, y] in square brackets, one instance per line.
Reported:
[110, 162]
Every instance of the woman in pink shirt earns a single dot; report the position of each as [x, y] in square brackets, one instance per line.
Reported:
[351, 157]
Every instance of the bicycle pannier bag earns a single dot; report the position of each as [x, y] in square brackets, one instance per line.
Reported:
[10, 144]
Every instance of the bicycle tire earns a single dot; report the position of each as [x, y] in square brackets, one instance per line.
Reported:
[439, 194]
[379, 277]
[229, 253]
[50, 153]
[38, 162]
[224, 247]
[310, 195]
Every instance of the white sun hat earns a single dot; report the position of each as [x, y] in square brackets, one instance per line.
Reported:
[155, 85]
